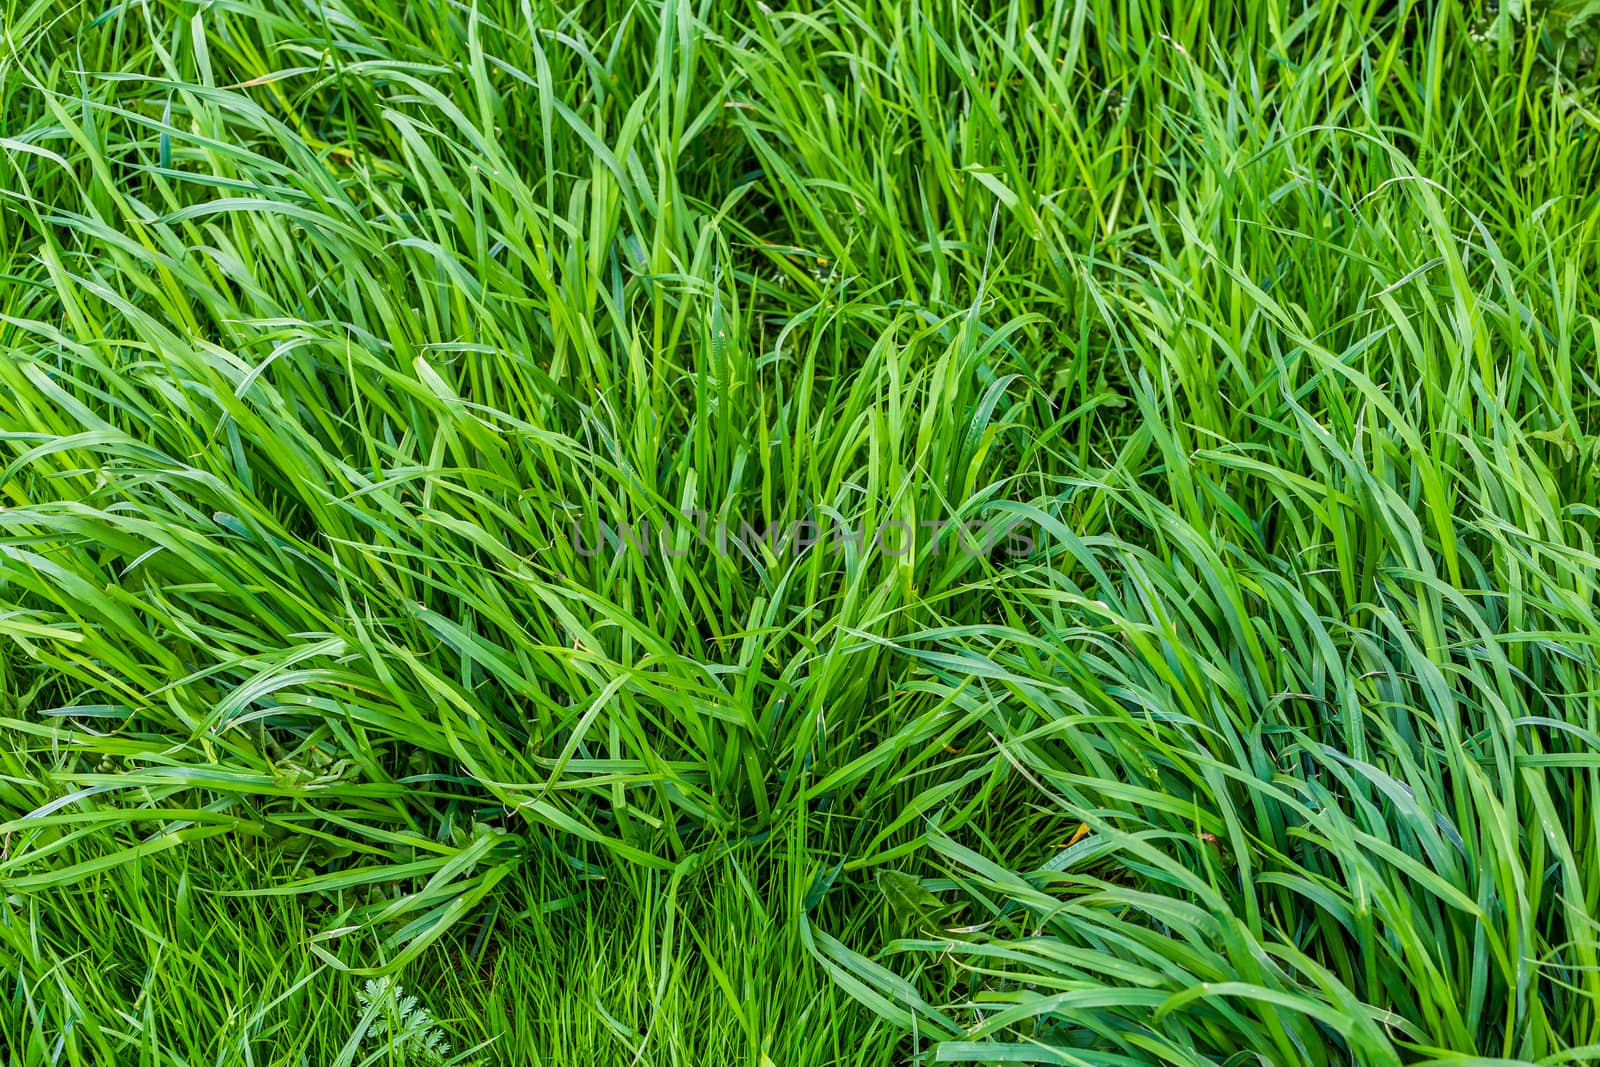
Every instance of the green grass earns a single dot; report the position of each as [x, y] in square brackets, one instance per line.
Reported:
[336, 338]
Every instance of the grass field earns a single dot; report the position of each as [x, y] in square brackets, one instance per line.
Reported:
[652, 532]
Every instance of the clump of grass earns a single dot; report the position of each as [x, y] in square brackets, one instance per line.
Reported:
[369, 377]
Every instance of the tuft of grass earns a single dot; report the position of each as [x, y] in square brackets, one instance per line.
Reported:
[679, 532]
